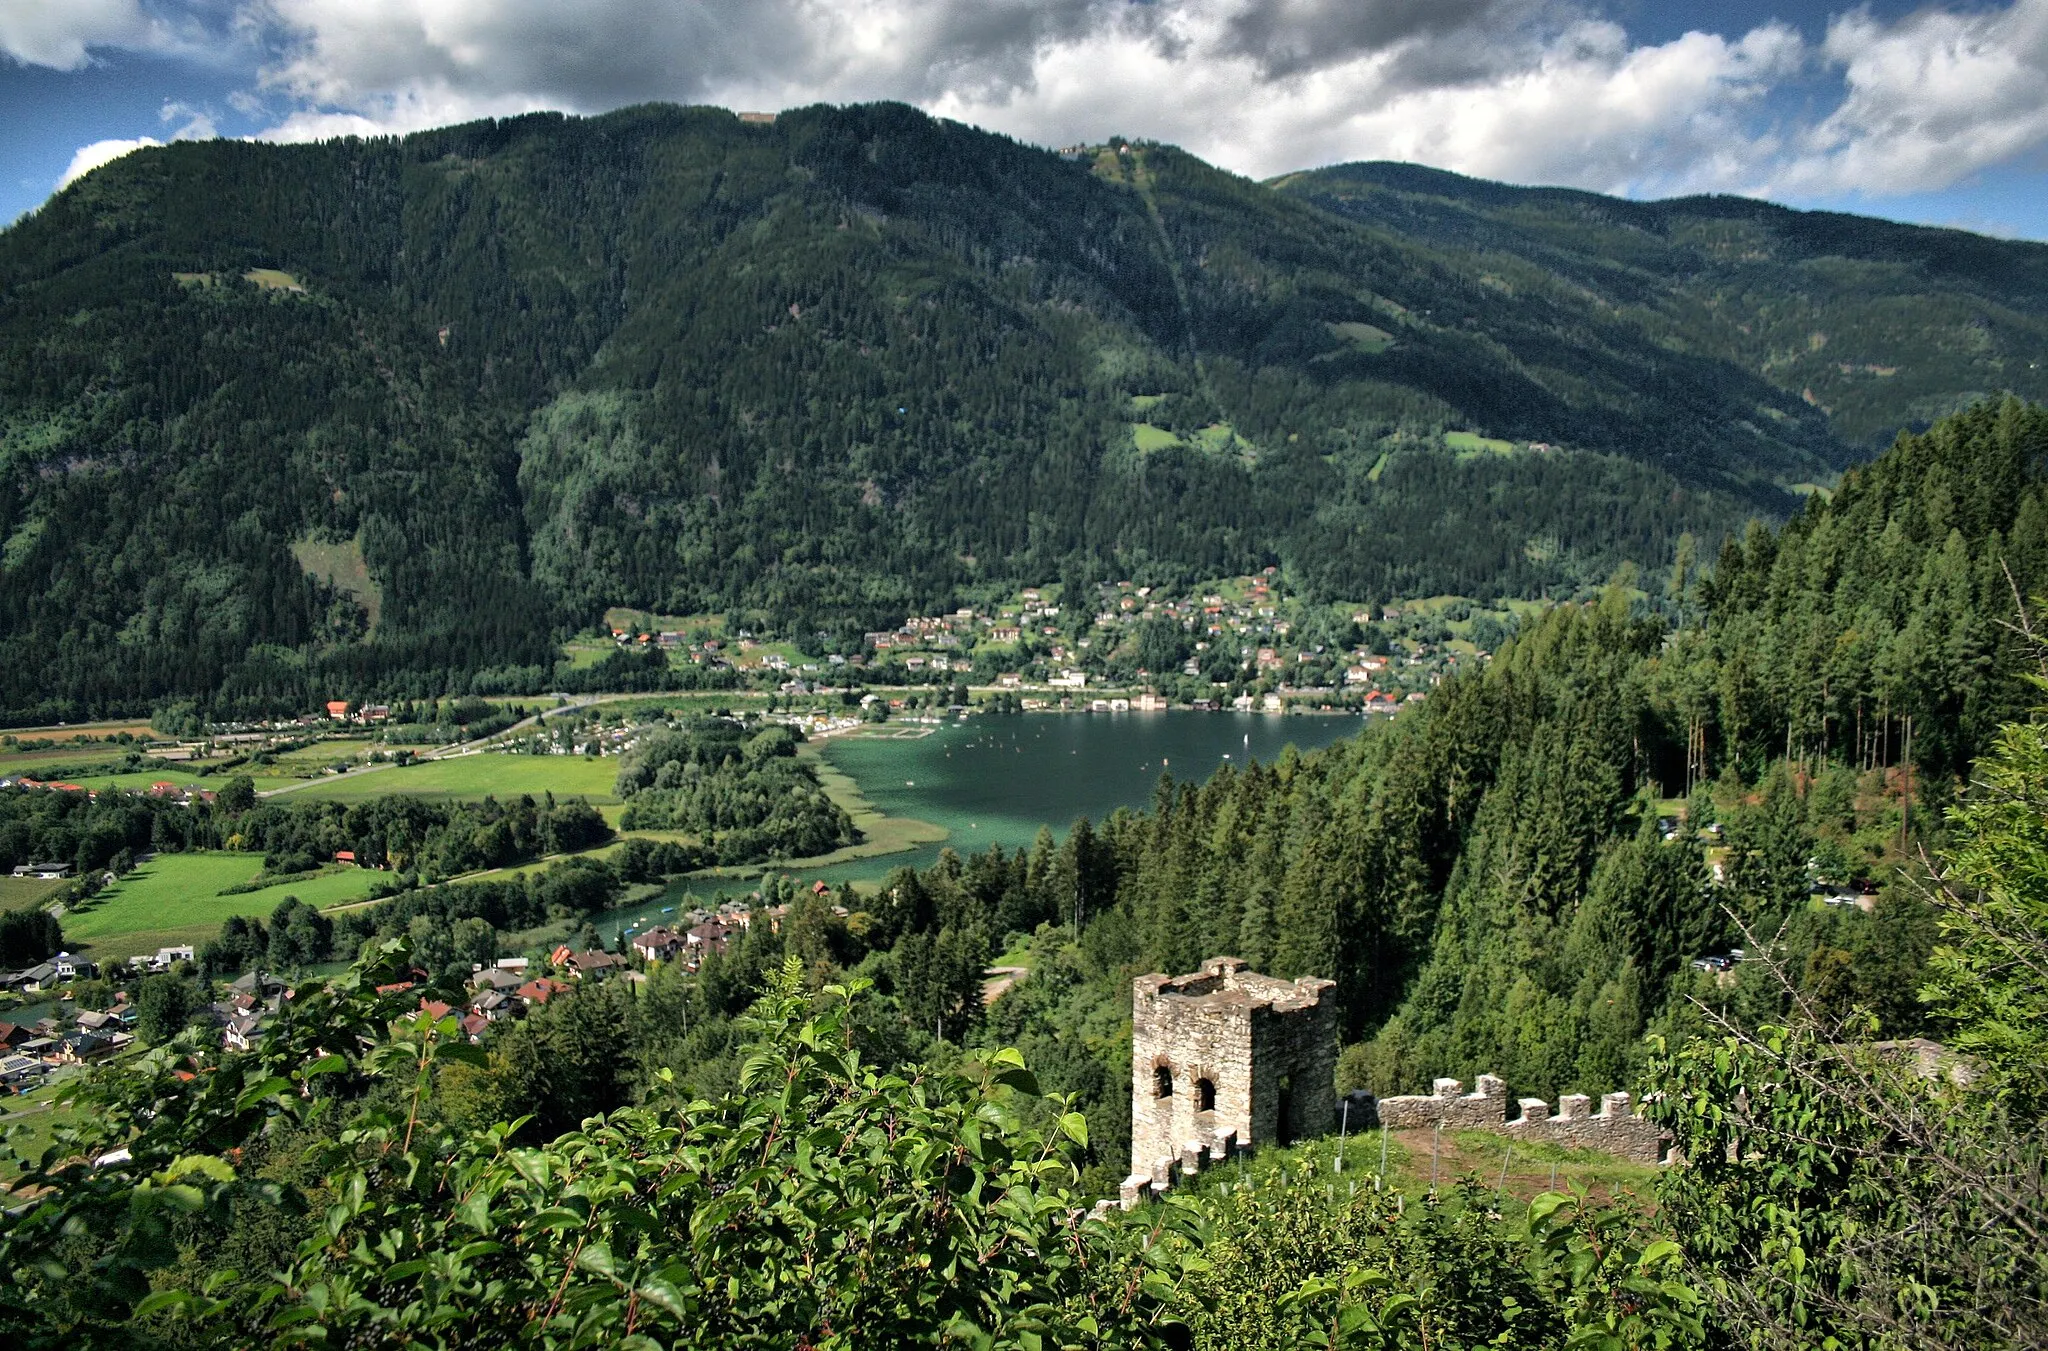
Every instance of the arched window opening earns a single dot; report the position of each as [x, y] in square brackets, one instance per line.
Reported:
[1205, 1095]
[1162, 1082]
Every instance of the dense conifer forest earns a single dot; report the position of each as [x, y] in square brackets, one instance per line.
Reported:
[392, 417]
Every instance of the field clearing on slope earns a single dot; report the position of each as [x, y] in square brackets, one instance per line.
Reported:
[1149, 438]
[478, 776]
[271, 279]
[1367, 338]
[1472, 443]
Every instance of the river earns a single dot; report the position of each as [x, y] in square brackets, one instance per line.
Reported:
[997, 780]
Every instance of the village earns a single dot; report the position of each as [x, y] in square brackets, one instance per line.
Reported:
[1239, 644]
[49, 1025]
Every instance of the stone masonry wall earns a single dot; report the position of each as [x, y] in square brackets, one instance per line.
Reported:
[1485, 1108]
[1614, 1129]
[1242, 1034]
[1294, 1070]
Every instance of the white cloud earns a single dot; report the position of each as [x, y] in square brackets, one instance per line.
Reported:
[194, 124]
[58, 33]
[1932, 99]
[1525, 90]
[91, 157]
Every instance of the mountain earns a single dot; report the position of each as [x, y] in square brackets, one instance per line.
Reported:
[1879, 325]
[395, 415]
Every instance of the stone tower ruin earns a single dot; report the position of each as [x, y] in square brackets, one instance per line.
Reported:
[1227, 1059]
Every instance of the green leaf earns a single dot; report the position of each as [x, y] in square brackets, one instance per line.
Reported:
[476, 1213]
[160, 1301]
[666, 1295]
[206, 1165]
[463, 1053]
[1022, 1080]
[1075, 1127]
[269, 1088]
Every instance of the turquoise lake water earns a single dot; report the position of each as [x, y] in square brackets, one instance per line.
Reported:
[997, 780]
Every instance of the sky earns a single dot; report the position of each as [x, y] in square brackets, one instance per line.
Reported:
[1934, 113]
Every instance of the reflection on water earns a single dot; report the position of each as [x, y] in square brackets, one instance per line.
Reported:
[997, 780]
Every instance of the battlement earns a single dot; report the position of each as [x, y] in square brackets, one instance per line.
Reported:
[1614, 1129]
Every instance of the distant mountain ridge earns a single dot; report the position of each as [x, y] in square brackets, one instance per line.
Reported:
[394, 416]
[1980, 305]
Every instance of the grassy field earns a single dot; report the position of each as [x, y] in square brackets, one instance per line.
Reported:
[1471, 443]
[175, 898]
[1149, 438]
[19, 893]
[18, 762]
[270, 279]
[29, 1122]
[584, 653]
[341, 566]
[476, 776]
[98, 731]
[139, 780]
[1419, 1161]
[646, 621]
[1363, 337]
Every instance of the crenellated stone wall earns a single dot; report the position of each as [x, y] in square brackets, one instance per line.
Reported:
[1485, 1108]
[1614, 1129]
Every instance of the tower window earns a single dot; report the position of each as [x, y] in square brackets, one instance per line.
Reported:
[1205, 1095]
[1162, 1082]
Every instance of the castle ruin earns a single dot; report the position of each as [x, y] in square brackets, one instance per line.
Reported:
[1224, 1059]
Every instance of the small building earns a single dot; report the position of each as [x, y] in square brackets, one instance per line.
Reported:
[592, 965]
[658, 944]
[48, 872]
[493, 1005]
[708, 937]
[20, 1073]
[541, 991]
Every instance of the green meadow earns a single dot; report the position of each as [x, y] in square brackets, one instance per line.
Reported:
[1472, 443]
[1149, 438]
[176, 898]
[476, 776]
[19, 893]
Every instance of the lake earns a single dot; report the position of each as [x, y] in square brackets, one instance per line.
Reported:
[997, 780]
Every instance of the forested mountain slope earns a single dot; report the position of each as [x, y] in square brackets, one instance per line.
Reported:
[391, 416]
[1879, 325]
